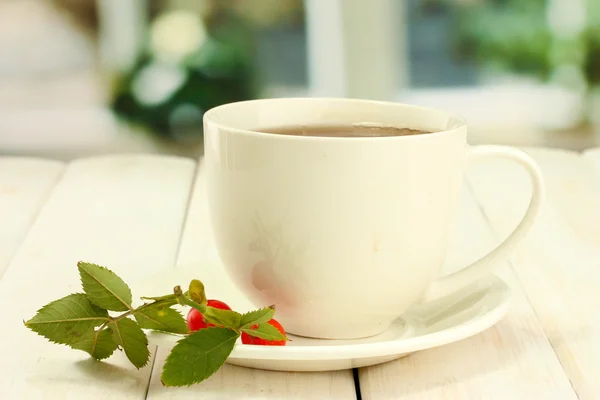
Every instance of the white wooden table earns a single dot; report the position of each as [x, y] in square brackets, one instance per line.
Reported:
[140, 214]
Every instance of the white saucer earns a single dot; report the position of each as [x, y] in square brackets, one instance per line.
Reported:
[456, 317]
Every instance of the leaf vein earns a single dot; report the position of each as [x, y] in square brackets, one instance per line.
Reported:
[126, 304]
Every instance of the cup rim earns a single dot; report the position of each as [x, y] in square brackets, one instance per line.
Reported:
[208, 118]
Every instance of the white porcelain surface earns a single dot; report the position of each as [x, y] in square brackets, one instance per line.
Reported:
[447, 320]
[354, 227]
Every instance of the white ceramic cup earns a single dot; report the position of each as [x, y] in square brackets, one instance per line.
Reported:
[343, 234]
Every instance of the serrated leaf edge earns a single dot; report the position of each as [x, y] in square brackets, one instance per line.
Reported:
[169, 362]
[256, 333]
[95, 341]
[81, 270]
[29, 325]
[256, 321]
[115, 327]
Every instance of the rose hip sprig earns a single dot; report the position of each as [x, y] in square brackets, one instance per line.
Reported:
[87, 321]
[195, 319]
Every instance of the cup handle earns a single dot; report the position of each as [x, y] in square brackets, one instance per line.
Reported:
[453, 282]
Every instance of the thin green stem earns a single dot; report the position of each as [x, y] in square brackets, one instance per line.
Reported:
[160, 298]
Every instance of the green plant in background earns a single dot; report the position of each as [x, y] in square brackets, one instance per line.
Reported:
[523, 37]
[190, 64]
[506, 37]
[592, 38]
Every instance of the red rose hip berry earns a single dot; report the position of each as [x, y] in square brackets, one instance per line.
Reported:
[247, 339]
[195, 319]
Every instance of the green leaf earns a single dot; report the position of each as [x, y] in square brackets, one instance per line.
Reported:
[104, 288]
[265, 331]
[161, 317]
[130, 337]
[196, 292]
[225, 318]
[67, 320]
[257, 317]
[98, 344]
[198, 356]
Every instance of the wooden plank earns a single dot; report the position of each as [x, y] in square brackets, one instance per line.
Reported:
[125, 212]
[592, 156]
[24, 186]
[512, 360]
[232, 382]
[558, 264]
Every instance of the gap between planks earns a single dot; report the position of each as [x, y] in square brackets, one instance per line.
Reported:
[121, 211]
[558, 262]
[181, 231]
[513, 359]
[233, 382]
[25, 184]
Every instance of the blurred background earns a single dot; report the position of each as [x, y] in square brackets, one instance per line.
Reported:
[83, 77]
